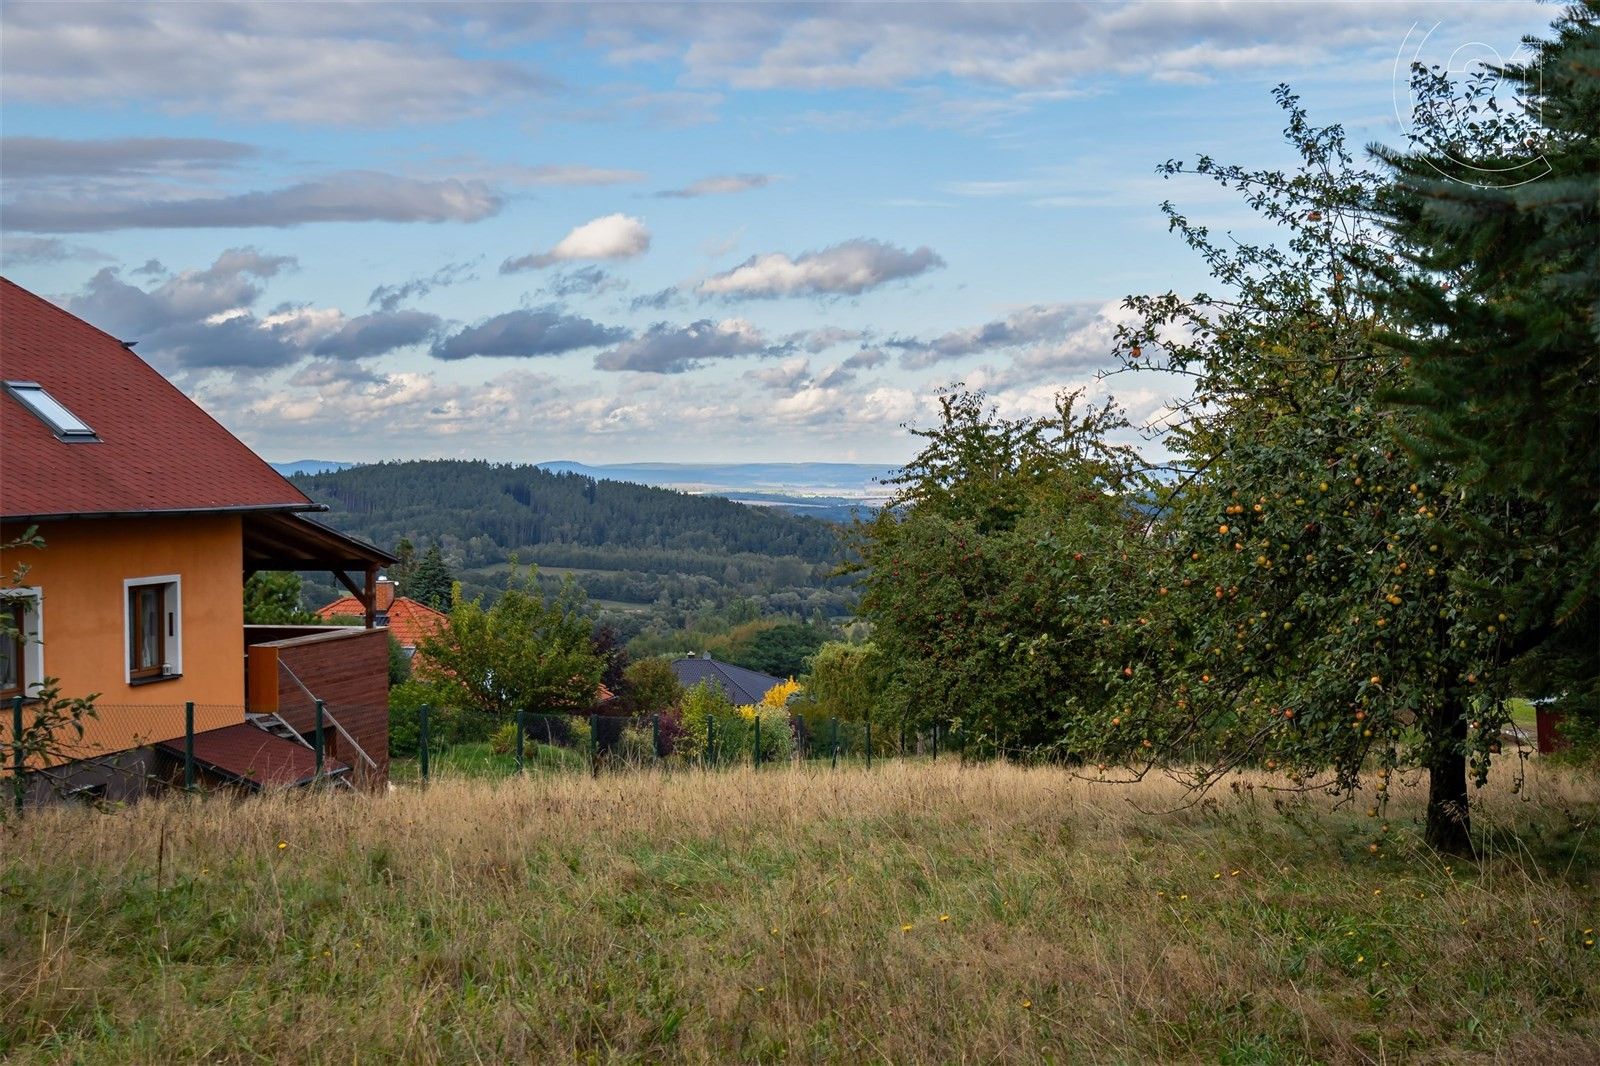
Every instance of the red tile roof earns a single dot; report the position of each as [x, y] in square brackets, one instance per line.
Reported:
[411, 621]
[255, 757]
[158, 450]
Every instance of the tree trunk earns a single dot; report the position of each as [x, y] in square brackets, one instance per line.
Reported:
[1448, 820]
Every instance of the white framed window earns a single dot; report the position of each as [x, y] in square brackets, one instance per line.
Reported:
[152, 626]
[21, 641]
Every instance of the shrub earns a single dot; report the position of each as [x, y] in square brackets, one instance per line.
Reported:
[637, 743]
[504, 741]
[671, 730]
[702, 702]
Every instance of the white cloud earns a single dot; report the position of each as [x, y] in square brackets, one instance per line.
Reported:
[848, 268]
[615, 236]
[719, 185]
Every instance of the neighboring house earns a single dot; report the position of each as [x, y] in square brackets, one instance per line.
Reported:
[411, 621]
[152, 515]
[744, 687]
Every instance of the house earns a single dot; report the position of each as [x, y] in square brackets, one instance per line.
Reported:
[151, 516]
[744, 687]
[410, 621]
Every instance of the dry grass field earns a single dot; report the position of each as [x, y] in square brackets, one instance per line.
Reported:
[914, 913]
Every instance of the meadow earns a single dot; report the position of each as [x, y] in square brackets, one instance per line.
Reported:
[916, 912]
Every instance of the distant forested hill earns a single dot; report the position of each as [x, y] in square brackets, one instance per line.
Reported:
[654, 552]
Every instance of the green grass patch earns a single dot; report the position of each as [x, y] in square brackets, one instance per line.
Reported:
[914, 913]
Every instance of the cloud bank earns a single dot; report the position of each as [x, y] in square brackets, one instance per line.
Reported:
[352, 196]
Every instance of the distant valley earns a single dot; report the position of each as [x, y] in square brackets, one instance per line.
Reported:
[833, 492]
[647, 556]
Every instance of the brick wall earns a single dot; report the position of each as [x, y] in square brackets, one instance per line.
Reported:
[349, 671]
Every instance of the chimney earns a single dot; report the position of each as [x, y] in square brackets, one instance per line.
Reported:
[384, 594]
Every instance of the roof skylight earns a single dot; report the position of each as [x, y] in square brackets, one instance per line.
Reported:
[51, 411]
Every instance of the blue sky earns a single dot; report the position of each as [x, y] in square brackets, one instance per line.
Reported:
[649, 232]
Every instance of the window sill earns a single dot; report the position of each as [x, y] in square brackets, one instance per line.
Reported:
[154, 680]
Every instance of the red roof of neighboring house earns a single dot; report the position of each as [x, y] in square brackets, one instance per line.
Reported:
[410, 621]
[157, 450]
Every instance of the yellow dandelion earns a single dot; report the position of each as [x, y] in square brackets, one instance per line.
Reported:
[1216, 877]
[761, 988]
[1377, 892]
[1361, 958]
[1027, 1004]
[1183, 895]
[774, 930]
[282, 844]
[944, 917]
[905, 928]
[1233, 873]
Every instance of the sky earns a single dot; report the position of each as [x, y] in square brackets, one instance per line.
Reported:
[653, 232]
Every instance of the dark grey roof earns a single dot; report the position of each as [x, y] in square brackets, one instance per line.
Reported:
[742, 686]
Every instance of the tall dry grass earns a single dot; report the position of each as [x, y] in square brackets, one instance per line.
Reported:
[914, 913]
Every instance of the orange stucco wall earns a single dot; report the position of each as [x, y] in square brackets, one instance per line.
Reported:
[80, 573]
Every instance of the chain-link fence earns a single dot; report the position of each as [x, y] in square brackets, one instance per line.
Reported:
[431, 742]
[121, 752]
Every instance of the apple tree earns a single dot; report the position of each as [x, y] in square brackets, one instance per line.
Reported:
[1316, 616]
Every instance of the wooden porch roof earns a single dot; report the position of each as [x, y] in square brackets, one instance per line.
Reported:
[277, 541]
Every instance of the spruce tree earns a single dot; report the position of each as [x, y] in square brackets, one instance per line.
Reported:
[431, 582]
[1495, 214]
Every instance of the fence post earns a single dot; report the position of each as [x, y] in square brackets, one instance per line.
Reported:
[422, 741]
[711, 740]
[869, 743]
[19, 759]
[902, 736]
[319, 740]
[521, 734]
[835, 743]
[655, 734]
[188, 746]
[936, 742]
[594, 747]
[755, 754]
